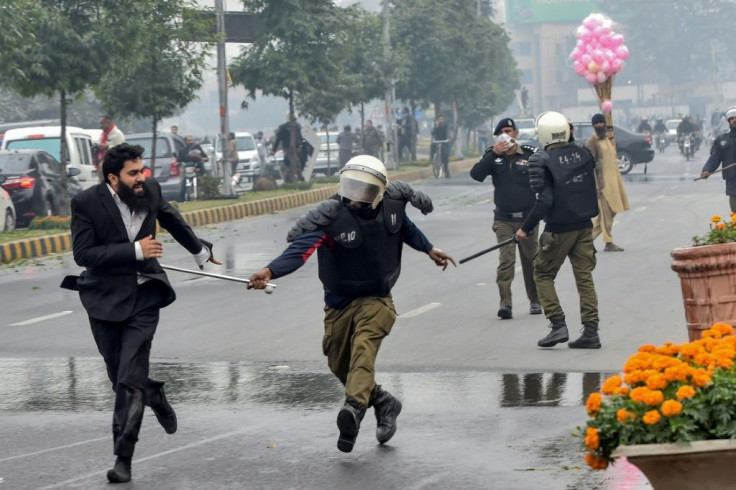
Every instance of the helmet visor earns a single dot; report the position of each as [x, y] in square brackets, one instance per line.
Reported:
[358, 190]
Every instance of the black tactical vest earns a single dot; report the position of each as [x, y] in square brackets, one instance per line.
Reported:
[574, 191]
[366, 258]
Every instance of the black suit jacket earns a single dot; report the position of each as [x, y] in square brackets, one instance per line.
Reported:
[100, 243]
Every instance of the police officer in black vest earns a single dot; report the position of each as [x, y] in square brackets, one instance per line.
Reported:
[359, 235]
[564, 178]
[507, 163]
[723, 153]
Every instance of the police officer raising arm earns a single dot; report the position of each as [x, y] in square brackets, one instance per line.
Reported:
[508, 165]
[563, 177]
[359, 236]
[723, 154]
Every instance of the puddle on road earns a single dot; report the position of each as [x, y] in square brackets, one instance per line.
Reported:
[80, 384]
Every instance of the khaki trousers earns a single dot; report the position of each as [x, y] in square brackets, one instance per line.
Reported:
[604, 221]
[554, 248]
[352, 338]
[507, 261]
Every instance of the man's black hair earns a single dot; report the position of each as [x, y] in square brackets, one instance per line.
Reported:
[116, 157]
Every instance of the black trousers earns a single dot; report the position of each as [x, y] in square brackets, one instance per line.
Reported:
[126, 348]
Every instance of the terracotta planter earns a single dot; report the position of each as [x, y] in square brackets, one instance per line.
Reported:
[708, 279]
[699, 465]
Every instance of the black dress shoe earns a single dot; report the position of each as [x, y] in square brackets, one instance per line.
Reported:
[164, 412]
[348, 421]
[121, 472]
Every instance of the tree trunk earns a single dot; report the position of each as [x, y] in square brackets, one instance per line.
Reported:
[329, 162]
[362, 127]
[154, 127]
[64, 157]
[456, 126]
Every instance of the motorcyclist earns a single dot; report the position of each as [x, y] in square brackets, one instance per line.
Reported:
[660, 129]
[192, 155]
[644, 126]
[687, 126]
[723, 154]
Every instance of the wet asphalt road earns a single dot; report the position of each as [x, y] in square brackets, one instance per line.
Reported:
[484, 408]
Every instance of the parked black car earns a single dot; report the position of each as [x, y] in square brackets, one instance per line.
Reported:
[632, 148]
[168, 171]
[33, 180]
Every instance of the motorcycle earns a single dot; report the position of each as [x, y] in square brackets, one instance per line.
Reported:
[661, 142]
[190, 183]
[688, 146]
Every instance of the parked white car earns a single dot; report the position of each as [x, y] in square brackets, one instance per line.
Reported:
[48, 139]
[7, 211]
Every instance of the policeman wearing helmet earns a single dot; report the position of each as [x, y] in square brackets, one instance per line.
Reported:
[563, 177]
[723, 153]
[358, 235]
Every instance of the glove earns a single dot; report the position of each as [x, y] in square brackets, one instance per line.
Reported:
[537, 163]
[422, 202]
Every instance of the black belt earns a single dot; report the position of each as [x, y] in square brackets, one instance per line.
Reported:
[504, 215]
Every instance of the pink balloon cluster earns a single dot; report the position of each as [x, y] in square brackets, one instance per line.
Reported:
[599, 53]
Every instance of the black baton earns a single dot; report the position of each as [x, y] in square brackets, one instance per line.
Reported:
[483, 252]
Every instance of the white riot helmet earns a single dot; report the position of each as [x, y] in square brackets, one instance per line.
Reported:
[730, 112]
[552, 127]
[363, 179]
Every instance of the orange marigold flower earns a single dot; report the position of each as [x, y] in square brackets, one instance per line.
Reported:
[721, 226]
[594, 403]
[591, 438]
[623, 415]
[623, 391]
[701, 380]
[724, 328]
[654, 398]
[639, 394]
[596, 462]
[715, 219]
[670, 408]
[651, 417]
[686, 391]
[611, 384]
[724, 362]
[647, 348]
[656, 382]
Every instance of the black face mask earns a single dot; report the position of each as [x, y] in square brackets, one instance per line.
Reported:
[136, 202]
[363, 210]
[600, 132]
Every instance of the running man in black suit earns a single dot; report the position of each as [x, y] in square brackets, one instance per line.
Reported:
[124, 287]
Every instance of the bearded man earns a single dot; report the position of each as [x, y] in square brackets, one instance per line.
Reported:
[124, 287]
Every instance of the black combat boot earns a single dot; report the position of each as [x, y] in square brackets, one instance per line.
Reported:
[589, 339]
[387, 409]
[558, 333]
[121, 472]
[348, 421]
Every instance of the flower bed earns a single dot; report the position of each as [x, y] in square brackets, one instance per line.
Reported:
[674, 393]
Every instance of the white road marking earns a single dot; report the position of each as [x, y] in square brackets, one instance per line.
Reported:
[153, 456]
[40, 319]
[52, 449]
[420, 310]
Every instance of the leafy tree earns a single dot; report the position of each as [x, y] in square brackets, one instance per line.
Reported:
[83, 111]
[452, 55]
[66, 56]
[173, 44]
[291, 59]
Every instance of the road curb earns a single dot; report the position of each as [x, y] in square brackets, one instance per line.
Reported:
[29, 248]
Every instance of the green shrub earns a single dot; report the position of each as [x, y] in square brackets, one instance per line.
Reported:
[50, 223]
[208, 188]
[297, 186]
